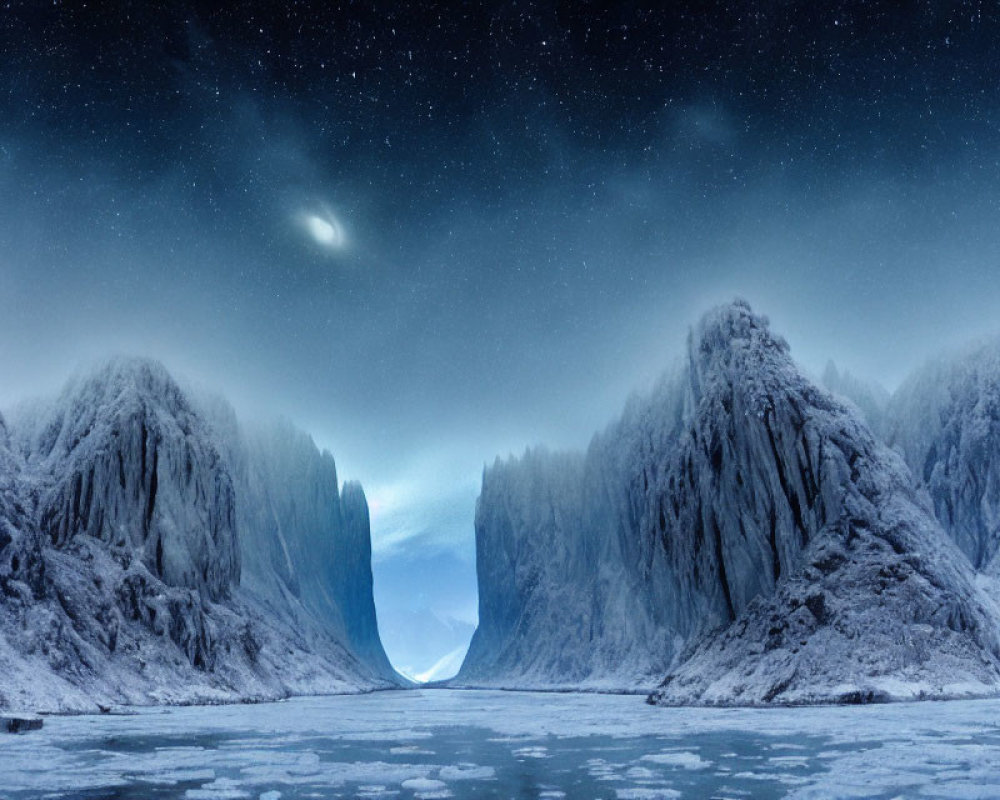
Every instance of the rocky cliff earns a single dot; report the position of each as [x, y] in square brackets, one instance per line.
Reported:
[945, 419]
[132, 562]
[755, 541]
[841, 587]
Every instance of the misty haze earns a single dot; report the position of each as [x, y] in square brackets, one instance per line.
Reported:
[530, 400]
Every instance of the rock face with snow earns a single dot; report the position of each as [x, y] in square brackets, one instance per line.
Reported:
[752, 537]
[306, 541]
[569, 597]
[124, 459]
[866, 597]
[20, 562]
[946, 421]
[133, 563]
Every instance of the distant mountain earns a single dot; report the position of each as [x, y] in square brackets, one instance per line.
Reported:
[871, 399]
[741, 532]
[445, 667]
[162, 552]
[424, 641]
[945, 419]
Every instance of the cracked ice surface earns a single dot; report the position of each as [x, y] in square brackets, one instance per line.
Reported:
[471, 744]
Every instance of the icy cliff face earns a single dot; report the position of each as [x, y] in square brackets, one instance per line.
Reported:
[569, 594]
[837, 584]
[121, 457]
[562, 600]
[9, 530]
[750, 526]
[946, 421]
[306, 543]
[127, 516]
[353, 580]
[20, 561]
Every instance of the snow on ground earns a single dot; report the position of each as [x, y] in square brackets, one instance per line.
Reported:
[471, 744]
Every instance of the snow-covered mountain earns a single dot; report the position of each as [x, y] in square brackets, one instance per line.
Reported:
[20, 568]
[569, 596]
[153, 552]
[306, 541]
[866, 596]
[945, 419]
[742, 532]
[123, 458]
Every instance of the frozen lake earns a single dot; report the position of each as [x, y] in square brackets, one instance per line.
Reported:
[451, 744]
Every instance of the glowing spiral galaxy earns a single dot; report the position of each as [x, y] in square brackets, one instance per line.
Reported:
[324, 229]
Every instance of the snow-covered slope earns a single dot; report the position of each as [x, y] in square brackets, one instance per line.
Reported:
[19, 558]
[132, 521]
[122, 457]
[743, 532]
[866, 597]
[946, 421]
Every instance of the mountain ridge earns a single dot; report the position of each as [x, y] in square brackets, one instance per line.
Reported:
[136, 524]
[738, 500]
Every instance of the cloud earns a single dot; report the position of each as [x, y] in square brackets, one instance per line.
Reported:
[419, 512]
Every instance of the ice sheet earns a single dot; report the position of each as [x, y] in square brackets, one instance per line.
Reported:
[455, 744]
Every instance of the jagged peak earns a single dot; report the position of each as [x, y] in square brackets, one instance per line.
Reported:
[869, 398]
[533, 455]
[534, 472]
[352, 495]
[121, 375]
[733, 326]
[845, 382]
[116, 388]
[978, 363]
[733, 347]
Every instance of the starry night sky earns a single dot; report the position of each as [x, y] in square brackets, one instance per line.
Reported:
[536, 200]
